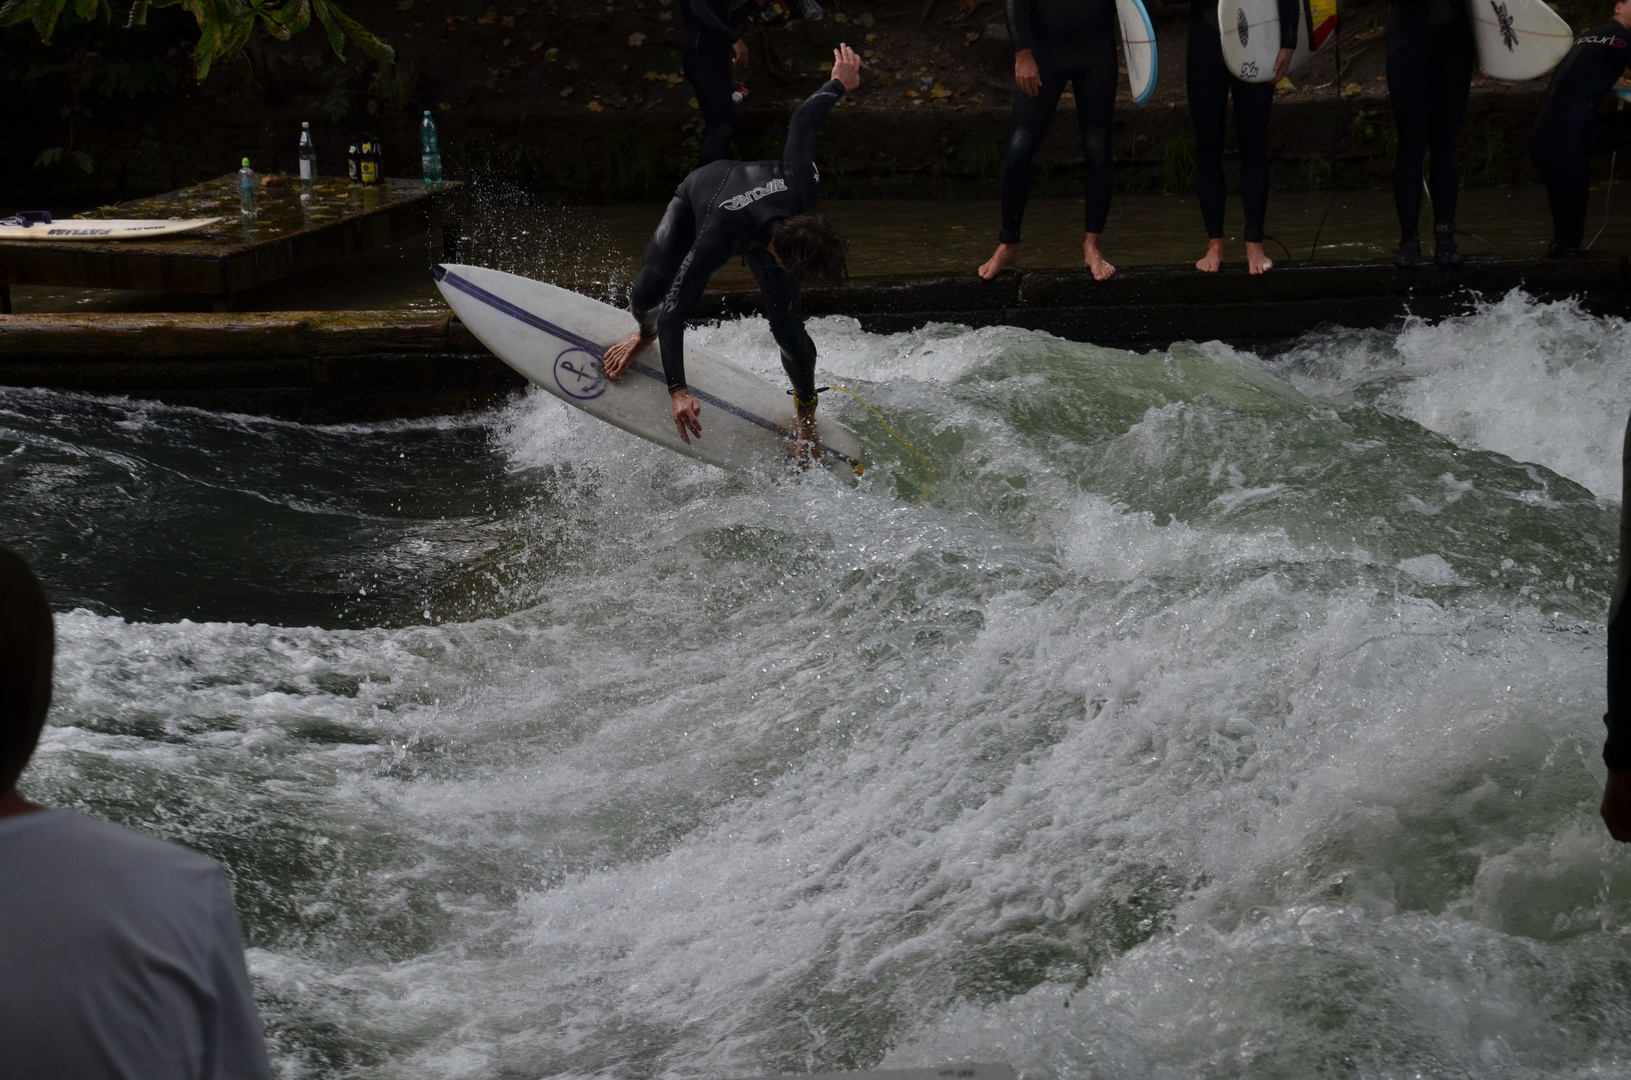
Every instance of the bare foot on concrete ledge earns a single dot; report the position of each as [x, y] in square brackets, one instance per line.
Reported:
[1005, 255]
[1095, 259]
[618, 358]
[1256, 261]
[1212, 261]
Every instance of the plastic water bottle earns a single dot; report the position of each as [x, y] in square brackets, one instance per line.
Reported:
[430, 154]
[351, 164]
[308, 155]
[246, 190]
[739, 95]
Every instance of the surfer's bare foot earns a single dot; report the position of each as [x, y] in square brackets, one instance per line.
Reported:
[618, 358]
[1095, 259]
[687, 415]
[1212, 261]
[807, 444]
[1256, 261]
[1005, 255]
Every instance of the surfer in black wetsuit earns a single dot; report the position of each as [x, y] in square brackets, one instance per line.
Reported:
[759, 210]
[1430, 57]
[712, 45]
[1210, 84]
[1569, 132]
[1058, 43]
[1616, 806]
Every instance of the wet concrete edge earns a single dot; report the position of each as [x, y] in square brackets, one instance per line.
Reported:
[357, 366]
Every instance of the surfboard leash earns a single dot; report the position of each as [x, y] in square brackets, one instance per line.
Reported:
[927, 468]
[1336, 81]
[1127, 189]
[1608, 197]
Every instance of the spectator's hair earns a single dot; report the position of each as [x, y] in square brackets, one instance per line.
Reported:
[811, 249]
[27, 643]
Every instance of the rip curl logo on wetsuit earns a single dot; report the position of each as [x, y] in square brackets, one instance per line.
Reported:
[1509, 36]
[579, 375]
[748, 198]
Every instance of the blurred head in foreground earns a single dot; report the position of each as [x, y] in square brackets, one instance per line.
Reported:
[27, 645]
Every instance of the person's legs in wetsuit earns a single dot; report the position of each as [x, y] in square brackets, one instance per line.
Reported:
[1564, 141]
[784, 308]
[706, 63]
[1094, 85]
[665, 252]
[1210, 86]
[1429, 73]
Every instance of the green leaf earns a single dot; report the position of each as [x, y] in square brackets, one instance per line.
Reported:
[12, 12]
[48, 157]
[45, 16]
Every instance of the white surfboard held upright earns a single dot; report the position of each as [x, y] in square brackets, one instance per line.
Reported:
[1518, 39]
[1249, 32]
[556, 337]
[1138, 46]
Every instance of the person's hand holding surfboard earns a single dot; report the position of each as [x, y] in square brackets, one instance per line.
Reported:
[1282, 64]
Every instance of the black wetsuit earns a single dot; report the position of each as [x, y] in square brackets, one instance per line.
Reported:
[1617, 750]
[1210, 84]
[1074, 43]
[728, 209]
[1430, 57]
[1569, 131]
[710, 39]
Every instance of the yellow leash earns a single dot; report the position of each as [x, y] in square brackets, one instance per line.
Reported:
[929, 470]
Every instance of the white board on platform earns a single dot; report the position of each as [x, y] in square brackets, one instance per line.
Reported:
[556, 337]
[1249, 32]
[1518, 39]
[112, 229]
[943, 1072]
[1138, 46]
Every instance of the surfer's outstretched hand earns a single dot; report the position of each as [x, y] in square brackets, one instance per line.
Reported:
[617, 358]
[687, 415]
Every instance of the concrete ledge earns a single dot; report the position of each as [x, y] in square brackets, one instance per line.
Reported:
[369, 365]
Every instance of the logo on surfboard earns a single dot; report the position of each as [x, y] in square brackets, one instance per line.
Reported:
[1509, 36]
[1241, 26]
[579, 375]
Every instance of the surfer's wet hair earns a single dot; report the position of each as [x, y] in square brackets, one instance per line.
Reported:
[27, 644]
[811, 249]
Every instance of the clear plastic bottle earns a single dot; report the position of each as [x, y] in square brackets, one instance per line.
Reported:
[308, 155]
[246, 191]
[430, 152]
[351, 164]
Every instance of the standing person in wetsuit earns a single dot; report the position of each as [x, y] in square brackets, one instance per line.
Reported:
[759, 210]
[1569, 132]
[712, 45]
[1430, 57]
[1059, 43]
[1210, 85]
[1616, 805]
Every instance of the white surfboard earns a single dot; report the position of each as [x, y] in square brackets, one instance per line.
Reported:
[1518, 39]
[111, 229]
[1249, 31]
[1138, 46]
[556, 337]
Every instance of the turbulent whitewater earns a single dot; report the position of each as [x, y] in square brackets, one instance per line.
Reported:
[1212, 716]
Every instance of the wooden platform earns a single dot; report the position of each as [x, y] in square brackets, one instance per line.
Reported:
[321, 366]
[288, 236]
